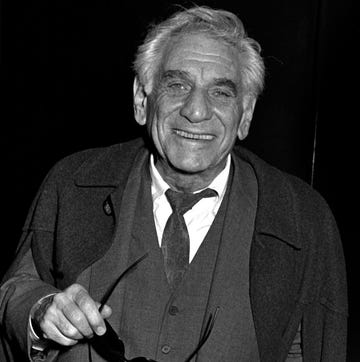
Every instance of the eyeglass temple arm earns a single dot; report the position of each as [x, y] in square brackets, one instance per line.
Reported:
[109, 291]
[207, 331]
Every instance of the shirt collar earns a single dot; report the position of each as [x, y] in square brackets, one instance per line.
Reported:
[159, 185]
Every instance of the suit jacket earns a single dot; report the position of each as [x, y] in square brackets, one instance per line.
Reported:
[297, 271]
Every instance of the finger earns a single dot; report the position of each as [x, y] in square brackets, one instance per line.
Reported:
[56, 317]
[51, 332]
[78, 319]
[67, 329]
[106, 310]
[88, 306]
[67, 307]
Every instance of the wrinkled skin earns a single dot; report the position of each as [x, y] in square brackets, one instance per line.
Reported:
[72, 316]
[193, 115]
[196, 110]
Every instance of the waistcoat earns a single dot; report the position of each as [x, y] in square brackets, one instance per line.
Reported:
[154, 322]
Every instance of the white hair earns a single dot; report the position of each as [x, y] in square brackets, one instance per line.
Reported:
[219, 24]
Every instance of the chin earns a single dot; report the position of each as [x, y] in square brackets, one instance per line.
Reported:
[190, 167]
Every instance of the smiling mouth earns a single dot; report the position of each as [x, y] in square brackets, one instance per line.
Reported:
[194, 136]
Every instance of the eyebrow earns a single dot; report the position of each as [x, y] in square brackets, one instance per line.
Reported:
[220, 82]
[170, 74]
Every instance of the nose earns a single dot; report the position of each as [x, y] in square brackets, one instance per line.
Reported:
[196, 107]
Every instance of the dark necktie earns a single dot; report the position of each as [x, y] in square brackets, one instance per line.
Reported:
[175, 241]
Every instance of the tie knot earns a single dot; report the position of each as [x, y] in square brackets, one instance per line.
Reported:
[181, 202]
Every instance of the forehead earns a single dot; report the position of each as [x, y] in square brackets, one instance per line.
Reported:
[203, 57]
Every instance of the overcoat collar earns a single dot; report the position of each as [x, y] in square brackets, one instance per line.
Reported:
[276, 213]
[110, 168]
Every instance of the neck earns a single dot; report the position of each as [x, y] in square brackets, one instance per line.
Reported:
[186, 182]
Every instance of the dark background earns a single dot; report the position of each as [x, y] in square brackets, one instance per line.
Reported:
[67, 82]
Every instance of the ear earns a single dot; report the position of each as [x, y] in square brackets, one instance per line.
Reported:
[140, 101]
[248, 110]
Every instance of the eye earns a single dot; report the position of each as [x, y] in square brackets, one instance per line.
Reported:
[221, 93]
[177, 88]
[176, 85]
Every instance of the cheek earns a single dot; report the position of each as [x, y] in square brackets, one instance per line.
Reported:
[164, 113]
[154, 115]
[236, 115]
[159, 119]
[230, 118]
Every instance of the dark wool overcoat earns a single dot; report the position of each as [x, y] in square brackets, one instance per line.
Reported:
[297, 271]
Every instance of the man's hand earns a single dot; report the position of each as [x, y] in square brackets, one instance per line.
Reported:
[70, 316]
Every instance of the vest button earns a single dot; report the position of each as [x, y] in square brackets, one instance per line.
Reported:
[173, 310]
[165, 349]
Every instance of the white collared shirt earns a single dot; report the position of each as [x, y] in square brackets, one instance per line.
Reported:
[198, 219]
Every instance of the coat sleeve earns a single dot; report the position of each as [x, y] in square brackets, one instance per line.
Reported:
[326, 310]
[18, 295]
[34, 272]
[22, 286]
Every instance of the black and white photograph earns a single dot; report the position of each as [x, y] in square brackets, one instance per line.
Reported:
[179, 181]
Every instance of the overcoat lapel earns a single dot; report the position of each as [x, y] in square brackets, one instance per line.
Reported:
[230, 287]
[99, 189]
[275, 265]
[117, 258]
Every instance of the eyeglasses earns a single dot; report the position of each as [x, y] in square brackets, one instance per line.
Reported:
[111, 347]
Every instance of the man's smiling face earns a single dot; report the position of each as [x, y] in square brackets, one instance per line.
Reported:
[196, 108]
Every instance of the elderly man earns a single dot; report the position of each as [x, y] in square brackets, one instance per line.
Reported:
[181, 246]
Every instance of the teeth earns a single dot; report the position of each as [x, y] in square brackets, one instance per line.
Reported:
[194, 136]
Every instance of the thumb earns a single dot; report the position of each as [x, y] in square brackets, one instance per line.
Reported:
[106, 311]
